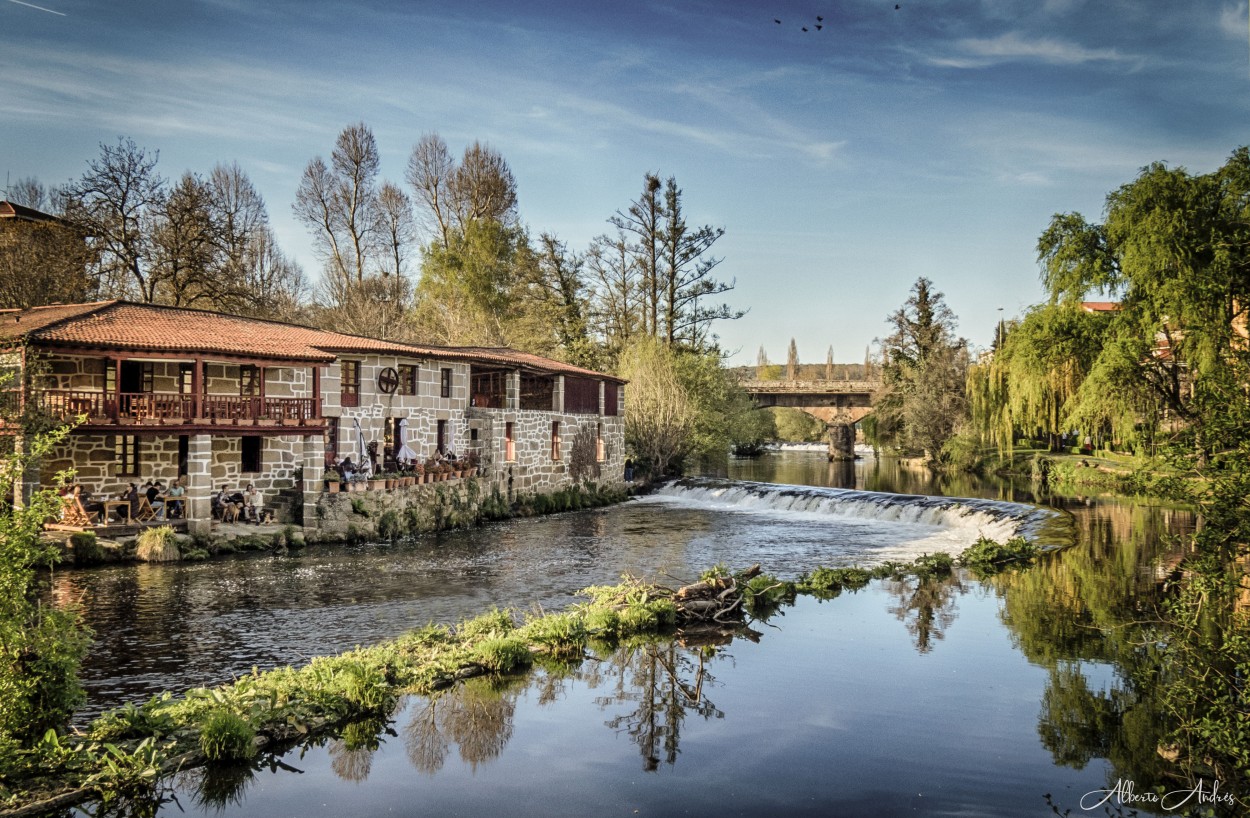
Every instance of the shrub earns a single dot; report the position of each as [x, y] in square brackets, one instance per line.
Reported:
[502, 654]
[933, 565]
[495, 621]
[226, 736]
[87, 549]
[559, 632]
[158, 545]
[389, 526]
[986, 555]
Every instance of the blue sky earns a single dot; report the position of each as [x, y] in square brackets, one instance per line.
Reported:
[935, 139]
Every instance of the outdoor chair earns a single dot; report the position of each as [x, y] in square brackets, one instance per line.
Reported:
[144, 512]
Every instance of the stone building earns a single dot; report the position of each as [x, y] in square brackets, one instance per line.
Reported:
[169, 392]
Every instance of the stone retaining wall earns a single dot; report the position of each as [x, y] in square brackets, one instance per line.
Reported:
[377, 514]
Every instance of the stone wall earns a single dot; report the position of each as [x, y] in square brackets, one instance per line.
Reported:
[404, 510]
[93, 458]
[533, 469]
[422, 411]
[87, 373]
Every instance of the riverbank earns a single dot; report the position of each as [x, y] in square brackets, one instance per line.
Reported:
[345, 518]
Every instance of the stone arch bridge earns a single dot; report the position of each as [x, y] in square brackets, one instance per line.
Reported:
[840, 404]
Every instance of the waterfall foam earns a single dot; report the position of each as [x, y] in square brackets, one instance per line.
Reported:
[970, 517]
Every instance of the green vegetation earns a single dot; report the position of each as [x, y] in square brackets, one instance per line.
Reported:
[922, 403]
[41, 646]
[158, 544]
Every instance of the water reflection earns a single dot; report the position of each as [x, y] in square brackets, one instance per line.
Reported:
[475, 716]
[926, 607]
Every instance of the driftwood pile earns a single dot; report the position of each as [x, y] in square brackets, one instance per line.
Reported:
[719, 599]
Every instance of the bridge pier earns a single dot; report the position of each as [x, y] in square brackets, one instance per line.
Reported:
[841, 440]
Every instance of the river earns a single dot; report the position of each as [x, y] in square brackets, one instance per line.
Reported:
[955, 697]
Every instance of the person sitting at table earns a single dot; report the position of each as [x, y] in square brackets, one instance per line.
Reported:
[252, 503]
[156, 498]
[173, 499]
[130, 495]
[224, 502]
[348, 469]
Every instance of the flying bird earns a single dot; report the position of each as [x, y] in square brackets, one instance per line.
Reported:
[775, 20]
[819, 27]
[819, 19]
[805, 28]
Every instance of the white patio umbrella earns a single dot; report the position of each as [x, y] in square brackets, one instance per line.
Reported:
[403, 452]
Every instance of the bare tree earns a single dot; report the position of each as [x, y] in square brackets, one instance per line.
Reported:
[186, 244]
[338, 203]
[451, 196]
[116, 202]
[29, 192]
[615, 297]
[483, 187]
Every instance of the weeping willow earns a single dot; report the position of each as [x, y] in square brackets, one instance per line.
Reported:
[1031, 384]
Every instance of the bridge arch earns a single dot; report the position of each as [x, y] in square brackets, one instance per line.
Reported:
[840, 404]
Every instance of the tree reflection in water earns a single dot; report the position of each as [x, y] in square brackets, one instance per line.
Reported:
[476, 716]
[926, 607]
[666, 682]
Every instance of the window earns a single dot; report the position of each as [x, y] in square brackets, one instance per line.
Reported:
[610, 400]
[137, 377]
[184, 453]
[445, 389]
[509, 443]
[186, 378]
[126, 455]
[600, 451]
[407, 379]
[555, 440]
[473, 434]
[249, 381]
[331, 439]
[581, 396]
[349, 388]
[250, 462]
[442, 436]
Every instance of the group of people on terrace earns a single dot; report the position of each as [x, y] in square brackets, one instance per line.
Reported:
[247, 505]
[347, 470]
[151, 501]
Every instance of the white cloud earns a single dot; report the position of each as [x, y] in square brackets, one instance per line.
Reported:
[1233, 21]
[977, 52]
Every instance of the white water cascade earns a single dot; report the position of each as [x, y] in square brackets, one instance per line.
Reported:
[917, 523]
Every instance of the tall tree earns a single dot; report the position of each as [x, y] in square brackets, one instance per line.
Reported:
[642, 222]
[363, 231]
[117, 202]
[924, 369]
[684, 275]
[452, 195]
[792, 362]
[614, 310]
[1175, 248]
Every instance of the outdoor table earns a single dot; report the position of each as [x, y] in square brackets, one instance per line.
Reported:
[119, 505]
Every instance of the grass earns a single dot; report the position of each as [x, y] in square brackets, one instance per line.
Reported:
[157, 545]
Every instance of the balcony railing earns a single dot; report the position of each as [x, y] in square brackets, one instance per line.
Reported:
[156, 407]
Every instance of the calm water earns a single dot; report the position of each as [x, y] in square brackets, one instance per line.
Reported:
[939, 698]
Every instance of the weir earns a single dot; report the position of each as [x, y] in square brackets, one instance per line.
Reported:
[997, 519]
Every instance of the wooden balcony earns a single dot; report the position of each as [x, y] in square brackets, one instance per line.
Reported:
[164, 409]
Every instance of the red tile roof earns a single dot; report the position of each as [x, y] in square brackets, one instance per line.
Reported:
[148, 327]
[9, 210]
[124, 325]
[1100, 306]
